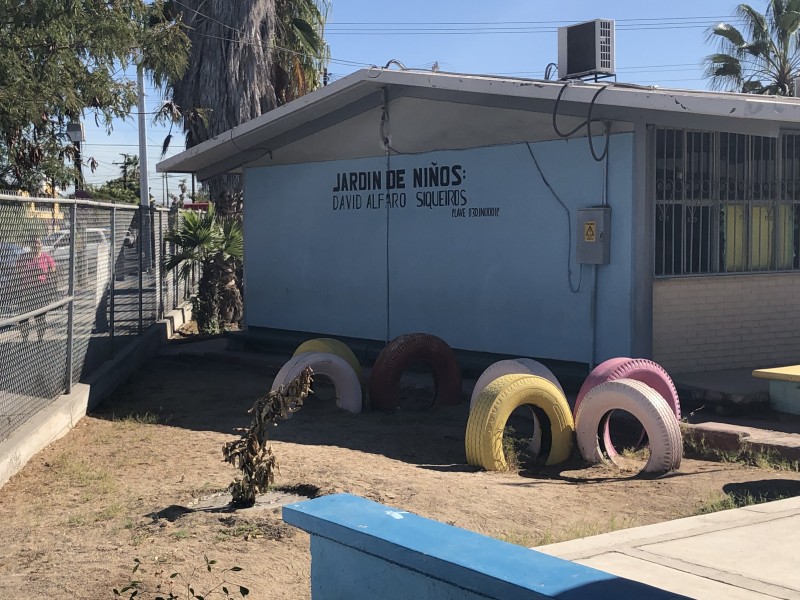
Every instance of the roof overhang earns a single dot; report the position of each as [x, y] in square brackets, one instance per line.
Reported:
[369, 89]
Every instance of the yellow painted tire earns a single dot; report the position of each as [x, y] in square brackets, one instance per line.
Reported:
[488, 418]
[478, 415]
[331, 346]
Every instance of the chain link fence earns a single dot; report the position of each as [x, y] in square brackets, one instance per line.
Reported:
[78, 281]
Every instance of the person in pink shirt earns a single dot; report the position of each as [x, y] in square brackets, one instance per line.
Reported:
[37, 276]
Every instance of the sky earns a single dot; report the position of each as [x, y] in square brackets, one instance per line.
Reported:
[656, 44]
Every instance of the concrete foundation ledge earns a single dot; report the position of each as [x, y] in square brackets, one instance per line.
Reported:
[362, 550]
[60, 416]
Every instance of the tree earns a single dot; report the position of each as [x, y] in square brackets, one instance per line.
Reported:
[760, 58]
[302, 53]
[246, 58]
[215, 247]
[61, 58]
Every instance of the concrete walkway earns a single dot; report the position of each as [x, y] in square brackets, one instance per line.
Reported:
[735, 554]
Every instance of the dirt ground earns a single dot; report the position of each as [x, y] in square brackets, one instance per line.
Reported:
[116, 488]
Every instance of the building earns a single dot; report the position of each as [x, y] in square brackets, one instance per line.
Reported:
[398, 201]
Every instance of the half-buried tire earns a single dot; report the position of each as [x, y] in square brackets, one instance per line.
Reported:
[514, 366]
[644, 403]
[522, 366]
[401, 353]
[331, 346]
[338, 370]
[488, 417]
[639, 369]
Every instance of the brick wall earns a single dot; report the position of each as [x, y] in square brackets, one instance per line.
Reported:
[726, 322]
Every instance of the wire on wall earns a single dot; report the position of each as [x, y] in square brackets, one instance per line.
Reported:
[572, 289]
[384, 139]
[587, 123]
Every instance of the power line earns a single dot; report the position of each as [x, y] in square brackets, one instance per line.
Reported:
[557, 22]
[399, 32]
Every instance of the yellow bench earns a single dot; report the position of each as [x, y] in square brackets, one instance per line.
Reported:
[784, 387]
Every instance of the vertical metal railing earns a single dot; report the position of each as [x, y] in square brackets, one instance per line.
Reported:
[140, 245]
[112, 280]
[724, 202]
[71, 292]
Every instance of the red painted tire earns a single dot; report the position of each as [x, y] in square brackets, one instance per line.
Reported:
[639, 369]
[403, 351]
[644, 403]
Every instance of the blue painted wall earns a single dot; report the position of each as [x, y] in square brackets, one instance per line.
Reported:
[362, 550]
[495, 283]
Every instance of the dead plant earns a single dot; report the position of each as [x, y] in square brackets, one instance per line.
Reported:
[251, 454]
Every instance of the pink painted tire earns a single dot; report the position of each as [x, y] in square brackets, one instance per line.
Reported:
[639, 369]
[649, 408]
[600, 374]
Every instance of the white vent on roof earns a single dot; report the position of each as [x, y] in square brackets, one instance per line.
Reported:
[586, 49]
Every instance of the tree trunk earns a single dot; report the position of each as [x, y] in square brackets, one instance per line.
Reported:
[223, 88]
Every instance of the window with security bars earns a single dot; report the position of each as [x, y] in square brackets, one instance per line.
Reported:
[726, 202]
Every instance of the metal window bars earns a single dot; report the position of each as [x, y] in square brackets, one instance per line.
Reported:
[78, 281]
[725, 202]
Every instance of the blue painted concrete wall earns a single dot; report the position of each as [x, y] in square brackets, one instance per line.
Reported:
[362, 550]
[480, 261]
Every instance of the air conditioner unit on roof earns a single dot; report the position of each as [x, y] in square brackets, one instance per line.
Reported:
[586, 49]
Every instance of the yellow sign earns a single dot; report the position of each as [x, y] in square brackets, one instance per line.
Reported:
[589, 231]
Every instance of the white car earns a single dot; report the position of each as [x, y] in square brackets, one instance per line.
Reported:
[57, 243]
[92, 254]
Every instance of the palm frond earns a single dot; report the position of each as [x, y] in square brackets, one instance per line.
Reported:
[729, 34]
[308, 37]
[753, 87]
[232, 239]
[762, 56]
[724, 71]
[755, 22]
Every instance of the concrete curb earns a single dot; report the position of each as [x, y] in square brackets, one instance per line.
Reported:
[60, 416]
[728, 438]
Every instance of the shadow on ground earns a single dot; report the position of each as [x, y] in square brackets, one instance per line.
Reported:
[204, 395]
[762, 490]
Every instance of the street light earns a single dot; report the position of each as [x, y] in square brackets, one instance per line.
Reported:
[77, 134]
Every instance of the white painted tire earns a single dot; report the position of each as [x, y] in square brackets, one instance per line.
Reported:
[514, 366]
[644, 403]
[337, 369]
[648, 372]
[517, 366]
[333, 346]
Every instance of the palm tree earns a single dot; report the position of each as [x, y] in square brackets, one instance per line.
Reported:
[229, 77]
[301, 51]
[760, 58]
[241, 51]
[215, 247]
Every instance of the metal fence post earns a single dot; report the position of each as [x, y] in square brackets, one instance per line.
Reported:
[141, 245]
[113, 278]
[71, 292]
[159, 262]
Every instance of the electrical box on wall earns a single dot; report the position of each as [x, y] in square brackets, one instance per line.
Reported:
[594, 235]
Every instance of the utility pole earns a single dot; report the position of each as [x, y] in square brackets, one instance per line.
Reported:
[144, 184]
[144, 200]
[124, 164]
